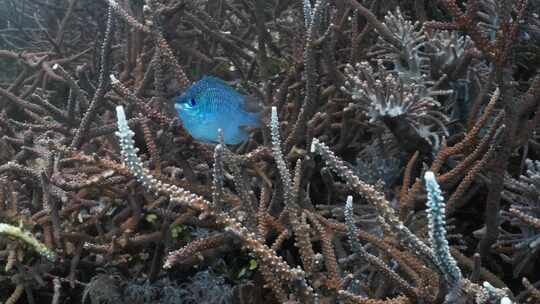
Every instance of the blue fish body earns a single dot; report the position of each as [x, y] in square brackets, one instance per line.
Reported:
[211, 104]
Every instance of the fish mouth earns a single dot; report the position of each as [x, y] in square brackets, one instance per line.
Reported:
[178, 107]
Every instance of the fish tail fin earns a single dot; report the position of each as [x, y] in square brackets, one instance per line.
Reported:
[252, 120]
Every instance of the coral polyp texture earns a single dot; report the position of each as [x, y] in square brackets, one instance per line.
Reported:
[270, 151]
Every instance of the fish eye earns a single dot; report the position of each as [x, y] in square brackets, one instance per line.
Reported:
[192, 102]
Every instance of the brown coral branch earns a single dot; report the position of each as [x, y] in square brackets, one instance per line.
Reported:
[213, 241]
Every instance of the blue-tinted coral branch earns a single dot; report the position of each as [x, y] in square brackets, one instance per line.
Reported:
[437, 229]
[280, 160]
[373, 196]
[357, 248]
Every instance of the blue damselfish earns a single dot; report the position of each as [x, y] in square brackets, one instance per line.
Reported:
[211, 104]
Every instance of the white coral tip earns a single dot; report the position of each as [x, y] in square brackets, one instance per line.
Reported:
[506, 300]
[429, 176]
[120, 115]
[113, 79]
[313, 143]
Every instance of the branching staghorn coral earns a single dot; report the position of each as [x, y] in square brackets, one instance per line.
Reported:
[483, 151]
[439, 254]
[18, 233]
[497, 51]
[359, 249]
[437, 229]
[524, 214]
[534, 292]
[374, 197]
[290, 197]
[313, 20]
[443, 258]
[103, 80]
[130, 158]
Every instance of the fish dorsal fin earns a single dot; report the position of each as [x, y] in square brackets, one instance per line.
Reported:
[215, 82]
[211, 85]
